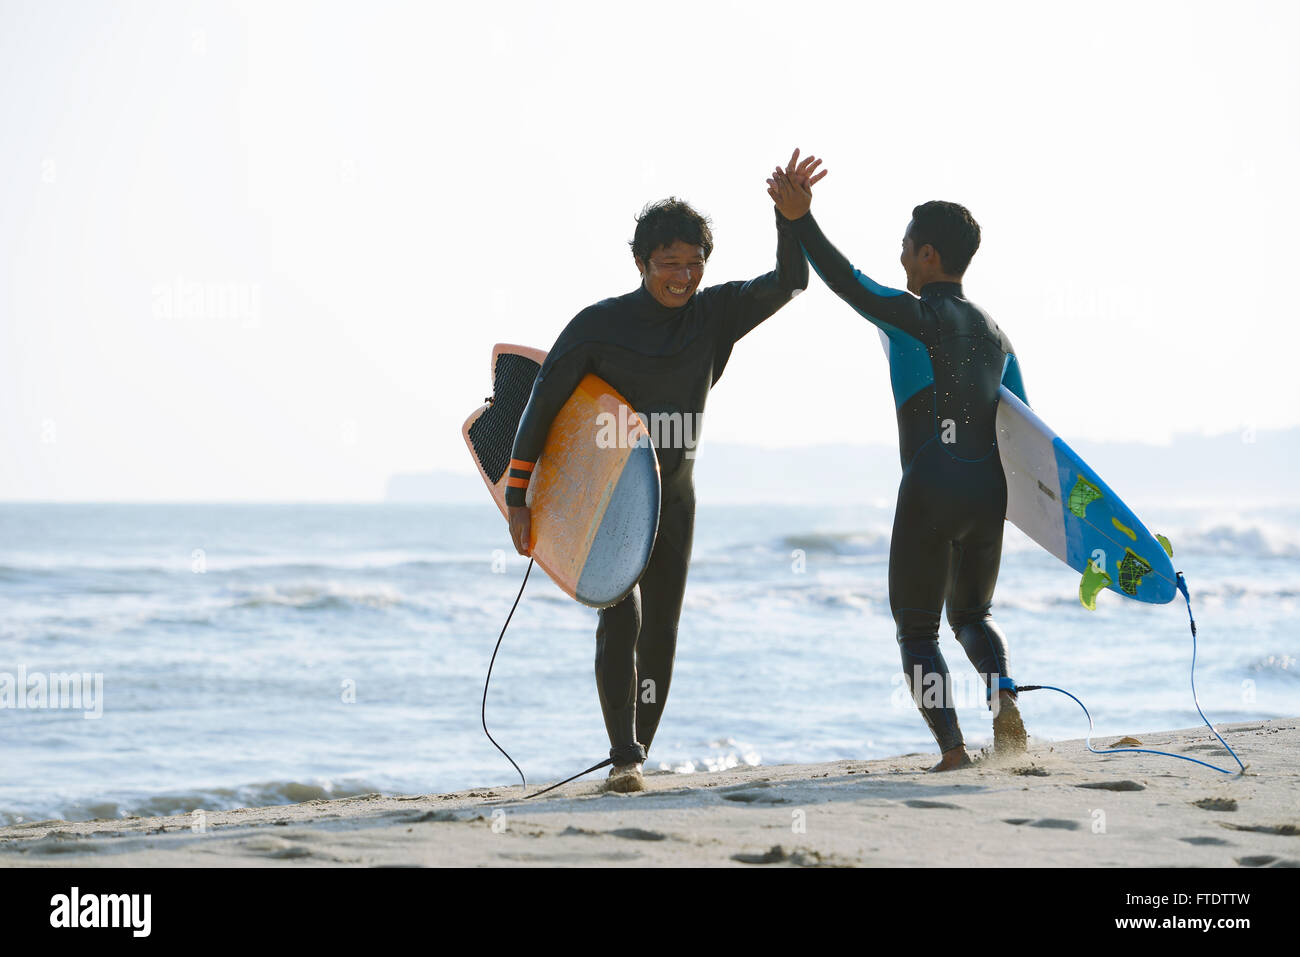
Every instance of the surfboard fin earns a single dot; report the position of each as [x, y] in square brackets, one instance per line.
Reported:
[1131, 571]
[1164, 543]
[1090, 586]
[1082, 495]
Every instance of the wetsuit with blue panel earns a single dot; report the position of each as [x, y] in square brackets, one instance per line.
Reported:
[947, 359]
[664, 362]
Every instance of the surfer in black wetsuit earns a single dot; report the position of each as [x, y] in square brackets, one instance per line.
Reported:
[947, 360]
[663, 347]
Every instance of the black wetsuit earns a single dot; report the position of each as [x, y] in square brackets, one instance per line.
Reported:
[664, 362]
[947, 359]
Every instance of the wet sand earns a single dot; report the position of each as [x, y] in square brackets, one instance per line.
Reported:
[1057, 805]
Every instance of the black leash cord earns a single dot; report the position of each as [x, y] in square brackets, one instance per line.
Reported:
[488, 680]
[489, 673]
[594, 767]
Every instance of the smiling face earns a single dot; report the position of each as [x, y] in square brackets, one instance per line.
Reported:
[673, 273]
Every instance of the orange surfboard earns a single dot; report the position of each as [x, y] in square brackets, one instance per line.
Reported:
[594, 494]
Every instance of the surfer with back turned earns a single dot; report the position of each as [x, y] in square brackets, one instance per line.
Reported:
[947, 360]
[662, 346]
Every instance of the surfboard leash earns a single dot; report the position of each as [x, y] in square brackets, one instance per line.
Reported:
[488, 679]
[594, 767]
[1182, 587]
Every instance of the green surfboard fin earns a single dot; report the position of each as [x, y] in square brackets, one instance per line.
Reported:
[1164, 543]
[1082, 495]
[1090, 586]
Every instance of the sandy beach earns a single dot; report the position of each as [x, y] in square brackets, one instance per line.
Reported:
[1057, 805]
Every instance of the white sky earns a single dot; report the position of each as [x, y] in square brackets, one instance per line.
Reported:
[390, 188]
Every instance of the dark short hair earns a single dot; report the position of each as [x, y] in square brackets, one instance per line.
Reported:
[662, 223]
[950, 229]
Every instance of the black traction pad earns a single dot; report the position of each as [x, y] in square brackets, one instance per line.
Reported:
[493, 433]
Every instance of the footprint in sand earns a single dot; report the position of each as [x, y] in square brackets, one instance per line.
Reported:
[920, 803]
[774, 855]
[1055, 822]
[1283, 830]
[275, 847]
[403, 818]
[1199, 841]
[1113, 786]
[1216, 804]
[637, 834]
[755, 796]
[799, 857]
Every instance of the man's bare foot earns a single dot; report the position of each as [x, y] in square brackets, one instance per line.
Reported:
[1009, 735]
[953, 759]
[625, 778]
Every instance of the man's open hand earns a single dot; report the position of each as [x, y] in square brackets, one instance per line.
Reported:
[791, 188]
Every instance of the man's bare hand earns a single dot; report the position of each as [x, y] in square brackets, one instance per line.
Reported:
[521, 528]
[791, 188]
[802, 172]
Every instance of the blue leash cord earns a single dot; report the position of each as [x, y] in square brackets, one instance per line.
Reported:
[1182, 587]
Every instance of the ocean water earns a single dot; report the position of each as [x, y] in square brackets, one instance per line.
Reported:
[250, 655]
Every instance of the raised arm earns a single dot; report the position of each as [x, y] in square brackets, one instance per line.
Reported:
[762, 296]
[894, 310]
[746, 304]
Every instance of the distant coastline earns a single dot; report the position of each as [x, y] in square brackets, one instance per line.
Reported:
[1253, 467]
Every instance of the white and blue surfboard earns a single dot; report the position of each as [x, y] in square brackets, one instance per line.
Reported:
[1055, 498]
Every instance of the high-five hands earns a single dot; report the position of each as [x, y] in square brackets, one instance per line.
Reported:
[791, 188]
